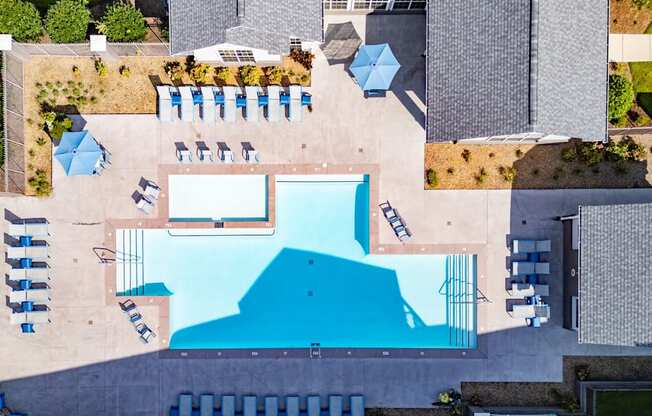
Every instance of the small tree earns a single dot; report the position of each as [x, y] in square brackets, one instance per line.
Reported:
[251, 75]
[67, 21]
[223, 73]
[199, 73]
[21, 19]
[621, 96]
[122, 22]
[274, 75]
[174, 70]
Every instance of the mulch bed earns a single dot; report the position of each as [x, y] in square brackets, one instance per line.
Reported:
[627, 18]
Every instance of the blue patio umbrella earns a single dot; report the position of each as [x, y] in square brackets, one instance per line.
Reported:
[374, 67]
[78, 153]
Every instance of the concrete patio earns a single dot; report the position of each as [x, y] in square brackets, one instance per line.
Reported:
[90, 361]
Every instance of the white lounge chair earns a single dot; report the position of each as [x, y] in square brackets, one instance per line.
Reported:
[531, 311]
[184, 155]
[185, 405]
[226, 156]
[249, 406]
[33, 317]
[292, 406]
[250, 156]
[146, 335]
[296, 109]
[229, 104]
[520, 268]
[274, 103]
[402, 233]
[35, 274]
[187, 104]
[314, 406]
[31, 229]
[530, 246]
[29, 252]
[204, 154]
[207, 105]
[152, 190]
[357, 406]
[164, 103]
[335, 406]
[252, 103]
[271, 406]
[522, 290]
[145, 205]
[32, 295]
[228, 406]
[206, 405]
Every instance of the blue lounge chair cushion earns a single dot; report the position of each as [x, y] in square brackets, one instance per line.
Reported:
[26, 263]
[306, 99]
[27, 306]
[25, 284]
[197, 98]
[263, 100]
[240, 101]
[285, 98]
[176, 99]
[27, 328]
[25, 240]
[219, 98]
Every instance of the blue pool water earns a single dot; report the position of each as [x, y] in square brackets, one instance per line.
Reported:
[311, 281]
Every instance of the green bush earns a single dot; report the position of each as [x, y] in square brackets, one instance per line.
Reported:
[431, 178]
[274, 75]
[199, 73]
[122, 22]
[621, 96]
[67, 21]
[466, 155]
[101, 68]
[223, 73]
[21, 19]
[591, 153]
[40, 183]
[250, 75]
[569, 154]
[508, 173]
[56, 124]
[174, 70]
[481, 176]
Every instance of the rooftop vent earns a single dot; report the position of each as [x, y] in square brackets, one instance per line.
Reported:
[241, 8]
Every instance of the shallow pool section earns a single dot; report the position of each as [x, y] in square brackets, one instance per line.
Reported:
[309, 281]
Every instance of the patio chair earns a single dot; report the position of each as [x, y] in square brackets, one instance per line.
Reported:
[184, 408]
[543, 246]
[32, 229]
[271, 406]
[530, 246]
[252, 104]
[402, 233]
[146, 334]
[224, 153]
[35, 274]
[184, 155]
[164, 103]
[314, 406]
[228, 406]
[32, 317]
[135, 317]
[249, 406]
[249, 154]
[204, 154]
[187, 104]
[335, 405]
[274, 103]
[522, 290]
[38, 252]
[292, 406]
[127, 306]
[152, 190]
[207, 405]
[520, 268]
[29, 295]
[388, 211]
[229, 104]
[357, 405]
[208, 105]
[145, 205]
[295, 109]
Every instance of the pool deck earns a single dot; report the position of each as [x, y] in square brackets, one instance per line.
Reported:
[89, 359]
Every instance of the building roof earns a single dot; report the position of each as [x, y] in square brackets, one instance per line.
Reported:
[502, 67]
[615, 285]
[260, 24]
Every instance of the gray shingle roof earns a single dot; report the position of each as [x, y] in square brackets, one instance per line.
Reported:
[268, 25]
[499, 67]
[615, 285]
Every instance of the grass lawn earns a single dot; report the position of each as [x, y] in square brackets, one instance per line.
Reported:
[642, 82]
[623, 403]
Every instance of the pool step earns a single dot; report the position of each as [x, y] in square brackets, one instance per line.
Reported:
[130, 267]
[461, 300]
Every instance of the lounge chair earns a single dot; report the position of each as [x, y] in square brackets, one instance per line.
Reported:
[35, 274]
[224, 153]
[249, 406]
[292, 406]
[207, 105]
[146, 334]
[530, 246]
[520, 268]
[522, 290]
[251, 156]
[204, 153]
[33, 317]
[187, 104]
[185, 406]
[228, 406]
[229, 104]
[402, 233]
[271, 406]
[274, 103]
[207, 405]
[357, 405]
[296, 109]
[152, 190]
[164, 103]
[127, 306]
[314, 406]
[252, 103]
[39, 252]
[31, 295]
[31, 229]
[335, 406]
[531, 311]
[184, 155]
[27, 328]
[135, 317]
[388, 211]
[145, 205]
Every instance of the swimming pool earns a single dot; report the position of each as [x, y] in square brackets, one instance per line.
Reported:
[310, 280]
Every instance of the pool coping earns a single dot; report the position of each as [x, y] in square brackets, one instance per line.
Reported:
[161, 221]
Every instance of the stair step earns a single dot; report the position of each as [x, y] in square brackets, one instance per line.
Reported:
[130, 276]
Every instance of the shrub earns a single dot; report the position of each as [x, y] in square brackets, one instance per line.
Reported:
[616, 151]
[569, 154]
[274, 75]
[535, 172]
[492, 155]
[41, 141]
[124, 71]
[223, 73]
[122, 22]
[450, 171]
[56, 124]
[466, 155]
[21, 19]
[199, 73]
[174, 70]
[2, 153]
[582, 372]
[591, 153]
[304, 58]
[518, 153]
[67, 21]
[508, 173]
[621, 96]
[481, 176]
[640, 119]
[431, 178]
[250, 75]
[100, 68]
[39, 182]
